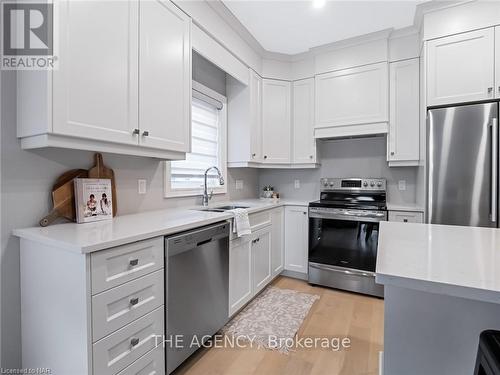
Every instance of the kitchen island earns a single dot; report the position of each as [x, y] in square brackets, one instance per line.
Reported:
[442, 288]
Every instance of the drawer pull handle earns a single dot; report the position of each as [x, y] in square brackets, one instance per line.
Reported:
[405, 220]
[134, 341]
[134, 262]
[134, 301]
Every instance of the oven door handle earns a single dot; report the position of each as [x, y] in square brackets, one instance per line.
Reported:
[382, 216]
[345, 271]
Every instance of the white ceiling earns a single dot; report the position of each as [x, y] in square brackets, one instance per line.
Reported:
[292, 27]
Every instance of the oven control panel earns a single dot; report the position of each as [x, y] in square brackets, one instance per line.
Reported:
[353, 184]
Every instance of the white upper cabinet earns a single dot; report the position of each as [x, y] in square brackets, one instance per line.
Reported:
[95, 89]
[244, 120]
[351, 97]
[276, 126]
[255, 85]
[296, 239]
[304, 143]
[403, 138]
[165, 74]
[497, 62]
[460, 68]
[123, 84]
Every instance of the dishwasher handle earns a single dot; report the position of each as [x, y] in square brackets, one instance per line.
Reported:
[195, 238]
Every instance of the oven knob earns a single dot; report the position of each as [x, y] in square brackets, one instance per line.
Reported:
[325, 184]
[332, 184]
[372, 184]
[379, 184]
[365, 184]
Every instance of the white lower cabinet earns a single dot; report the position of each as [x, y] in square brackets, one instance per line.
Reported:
[296, 239]
[261, 259]
[277, 241]
[99, 313]
[406, 216]
[254, 260]
[240, 273]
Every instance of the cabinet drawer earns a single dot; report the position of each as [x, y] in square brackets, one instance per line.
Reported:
[118, 265]
[406, 216]
[152, 363]
[119, 306]
[115, 352]
[257, 221]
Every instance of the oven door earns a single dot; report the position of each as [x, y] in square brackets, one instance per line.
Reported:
[344, 238]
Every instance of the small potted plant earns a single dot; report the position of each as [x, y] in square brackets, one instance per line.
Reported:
[268, 191]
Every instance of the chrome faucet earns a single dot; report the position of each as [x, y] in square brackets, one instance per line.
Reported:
[207, 197]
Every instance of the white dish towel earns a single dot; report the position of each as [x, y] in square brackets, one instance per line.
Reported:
[241, 225]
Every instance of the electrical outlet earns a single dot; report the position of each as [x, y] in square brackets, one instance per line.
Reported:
[297, 184]
[141, 186]
[402, 185]
[238, 184]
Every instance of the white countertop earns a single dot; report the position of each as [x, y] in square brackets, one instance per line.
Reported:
[89, 237]
[443, 259]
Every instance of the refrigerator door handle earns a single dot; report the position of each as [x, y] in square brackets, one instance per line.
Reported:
[494, 168]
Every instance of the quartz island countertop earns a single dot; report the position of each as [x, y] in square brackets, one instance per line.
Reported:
[444, 259]
[89, 237]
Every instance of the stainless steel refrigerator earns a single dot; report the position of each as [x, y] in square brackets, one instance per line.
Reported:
[462, 165]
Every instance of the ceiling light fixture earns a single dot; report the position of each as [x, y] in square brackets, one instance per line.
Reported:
[318, 3]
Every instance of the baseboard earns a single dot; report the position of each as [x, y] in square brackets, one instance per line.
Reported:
[294, 274]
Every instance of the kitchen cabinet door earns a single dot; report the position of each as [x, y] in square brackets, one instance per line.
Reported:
[165, 76]
[277, 237]
[95, 88]
[497, 62]
[296, 239]
[276, 127]
[255, 86]
[460, 68]
[240, 273]
[304, 143]
[403, 138]
[261, 259]
[352, 96]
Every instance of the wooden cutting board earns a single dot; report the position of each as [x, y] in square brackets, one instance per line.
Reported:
[63, 197]
[99, 170]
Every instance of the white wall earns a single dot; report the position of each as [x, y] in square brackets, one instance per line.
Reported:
[26, 181]
[362, 157]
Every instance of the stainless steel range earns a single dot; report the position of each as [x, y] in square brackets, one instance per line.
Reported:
[343, 234]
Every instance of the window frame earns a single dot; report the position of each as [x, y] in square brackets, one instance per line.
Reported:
[177, 193]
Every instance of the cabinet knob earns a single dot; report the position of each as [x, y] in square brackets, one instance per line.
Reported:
[305, 213]
[498, 88]
[136, 132]
[253, 155]
[134, 262]
[405, 220]
[145, 133]
[490, 90]
[310, 156]
[134, 301]
[392, 152]
[134, 341]
[265, 156]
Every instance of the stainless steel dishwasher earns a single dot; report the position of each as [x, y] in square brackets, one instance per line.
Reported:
[197, 290]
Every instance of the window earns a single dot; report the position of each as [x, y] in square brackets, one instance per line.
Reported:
[208, 147]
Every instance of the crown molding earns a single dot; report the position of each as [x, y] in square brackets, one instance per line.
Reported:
[220, 8]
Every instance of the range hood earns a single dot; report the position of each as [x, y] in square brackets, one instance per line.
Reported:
[351, 131]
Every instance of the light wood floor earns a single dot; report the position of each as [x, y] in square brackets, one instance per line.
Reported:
[335, 314]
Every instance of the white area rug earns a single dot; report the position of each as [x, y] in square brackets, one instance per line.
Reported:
[272, 319]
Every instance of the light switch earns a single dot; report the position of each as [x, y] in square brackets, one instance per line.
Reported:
[402, 185]
[141, 186]
[238, 184]
[297, 184]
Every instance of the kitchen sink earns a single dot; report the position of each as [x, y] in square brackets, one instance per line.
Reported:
[225, 208]
[219, 209]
